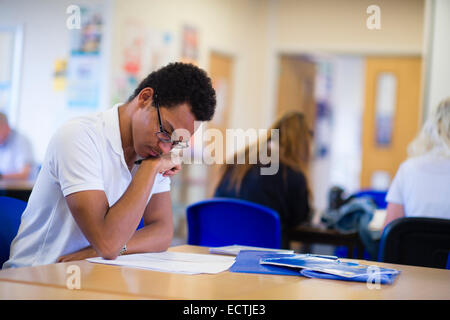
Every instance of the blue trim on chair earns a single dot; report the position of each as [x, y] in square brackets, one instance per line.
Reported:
[448, 261]
[228, 221]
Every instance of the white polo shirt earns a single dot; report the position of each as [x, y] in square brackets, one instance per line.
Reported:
[422, 186]
[85, 154]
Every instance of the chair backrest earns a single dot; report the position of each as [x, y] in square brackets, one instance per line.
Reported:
[10, 214]
[379, 197]
[416, 241]
[223, 221]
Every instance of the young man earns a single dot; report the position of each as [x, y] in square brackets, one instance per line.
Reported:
[90, 195]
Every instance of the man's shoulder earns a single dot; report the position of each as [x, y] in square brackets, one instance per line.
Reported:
[81, 126]
[80, 132]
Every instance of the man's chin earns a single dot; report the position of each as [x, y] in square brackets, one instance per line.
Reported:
[151, 153]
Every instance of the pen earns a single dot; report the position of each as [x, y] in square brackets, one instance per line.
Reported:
[322, 256]
[138, 162]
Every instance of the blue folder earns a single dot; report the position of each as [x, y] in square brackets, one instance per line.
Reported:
[249, 262]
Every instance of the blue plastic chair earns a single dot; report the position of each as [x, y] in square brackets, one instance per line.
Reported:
[10, 214]
[224, 221]
[379, 197]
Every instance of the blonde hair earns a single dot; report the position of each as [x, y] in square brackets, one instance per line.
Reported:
[294, 148]
[435, 134]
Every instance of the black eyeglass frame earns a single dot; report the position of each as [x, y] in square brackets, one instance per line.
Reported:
[162, 134]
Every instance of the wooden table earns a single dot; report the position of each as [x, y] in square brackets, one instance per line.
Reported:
[100, 281]
[320, 234]
[19, 189]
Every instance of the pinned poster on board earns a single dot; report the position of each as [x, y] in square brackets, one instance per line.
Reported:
[59, 75]
[83, 84]
[385, 105]
[189, 49]
[84, 63]
[144, 50]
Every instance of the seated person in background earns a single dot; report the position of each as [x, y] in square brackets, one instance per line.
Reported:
[421, 187]
[16, 158]
[287, 190]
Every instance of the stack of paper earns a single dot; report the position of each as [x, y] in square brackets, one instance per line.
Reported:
[174, 262]
[235, 249]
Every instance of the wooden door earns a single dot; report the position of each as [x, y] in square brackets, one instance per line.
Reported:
[387, 154]
[221, 73]
[296, 83]
[296, 86]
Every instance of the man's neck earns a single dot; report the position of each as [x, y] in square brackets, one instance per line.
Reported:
[126, 135]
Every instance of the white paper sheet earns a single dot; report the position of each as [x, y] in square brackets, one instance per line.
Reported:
[234, 250]
[174, 262]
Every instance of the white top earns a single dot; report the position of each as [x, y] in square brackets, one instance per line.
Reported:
[85, 154]
[15, 153]
[422, 186]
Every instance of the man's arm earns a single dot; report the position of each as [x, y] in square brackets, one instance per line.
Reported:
[157, 233]
[155, 236]
[393, 211]
[108, 228]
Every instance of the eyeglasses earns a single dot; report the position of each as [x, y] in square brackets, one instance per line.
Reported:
[163, 135]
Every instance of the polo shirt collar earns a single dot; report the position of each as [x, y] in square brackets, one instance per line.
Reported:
[112, 129]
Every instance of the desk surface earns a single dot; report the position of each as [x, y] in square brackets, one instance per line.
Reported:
[100, 281]
[24, 185]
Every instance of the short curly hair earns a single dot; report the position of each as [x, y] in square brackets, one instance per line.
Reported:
[177, 83]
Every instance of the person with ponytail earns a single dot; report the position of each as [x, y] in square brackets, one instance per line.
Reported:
[287, 190]
[421, 187]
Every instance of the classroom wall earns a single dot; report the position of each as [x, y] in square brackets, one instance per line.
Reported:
[437, 50]
[254, 32]
[46, 39]
[302, 26]
[341, 26]
[234, 27]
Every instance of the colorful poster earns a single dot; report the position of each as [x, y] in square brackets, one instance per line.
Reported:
[59, 75]
[144, 51]
[83, 85]
[385, 102]
[189, 50]
[84, 65]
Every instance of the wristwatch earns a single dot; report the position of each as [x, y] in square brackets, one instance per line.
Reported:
[123, 250]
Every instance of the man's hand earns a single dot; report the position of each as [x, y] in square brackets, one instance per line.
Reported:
[167, 164]
[82, 254]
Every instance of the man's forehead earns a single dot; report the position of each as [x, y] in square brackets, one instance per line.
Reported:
[181, 117]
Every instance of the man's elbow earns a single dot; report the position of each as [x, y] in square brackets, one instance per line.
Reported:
[106, 251]
[109, 255]
[167, 240]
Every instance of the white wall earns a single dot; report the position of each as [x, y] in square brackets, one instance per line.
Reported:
[342, 164]
[347, 99]
[233, 27]
[46, 39]
[437, 48]
[340, 26]
[254, 32]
